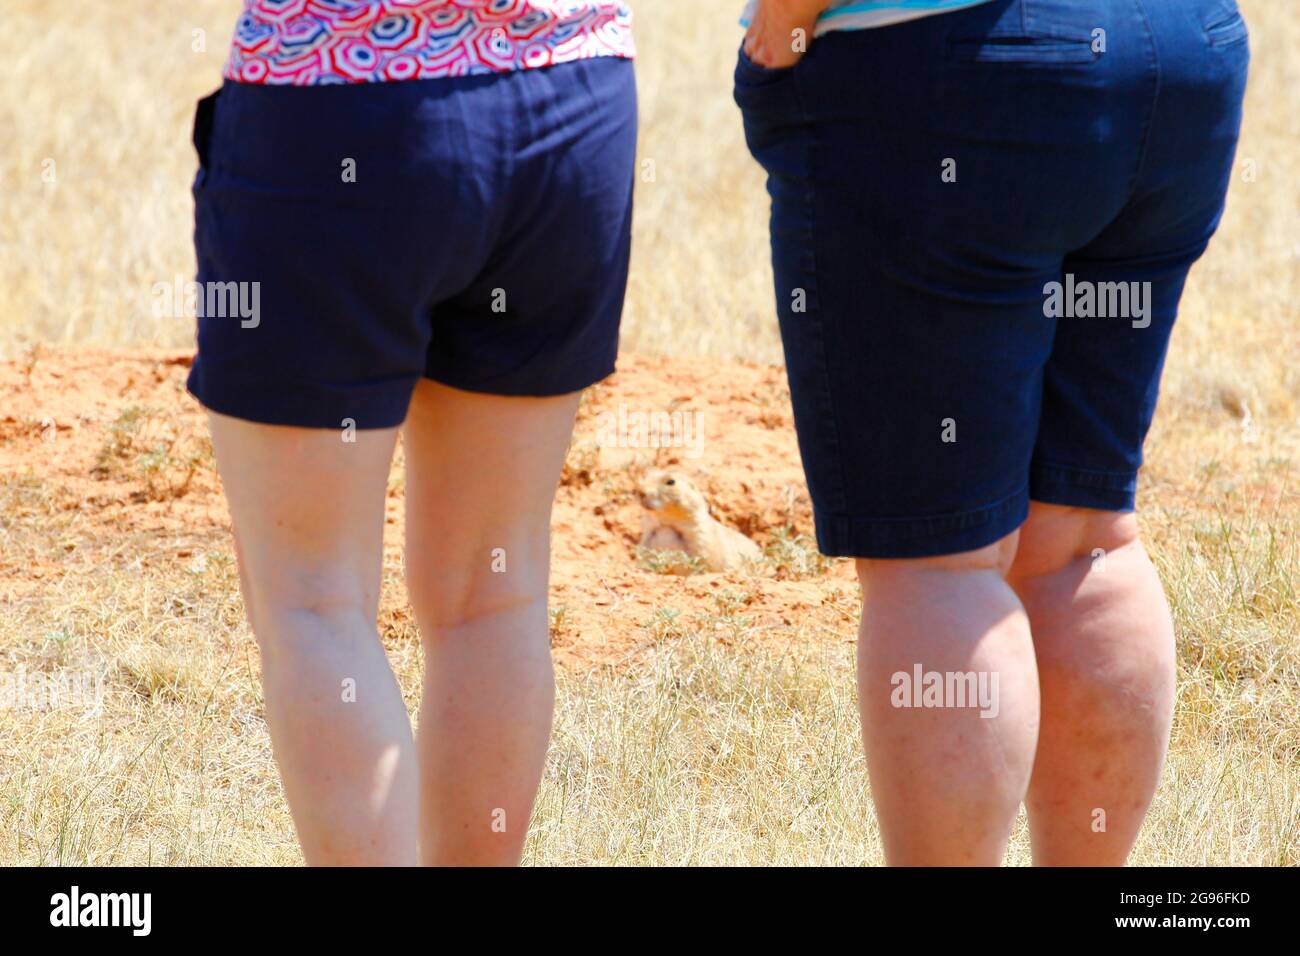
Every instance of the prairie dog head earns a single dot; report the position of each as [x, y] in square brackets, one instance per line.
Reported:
[672, 497]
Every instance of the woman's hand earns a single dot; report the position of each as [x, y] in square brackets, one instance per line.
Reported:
[781, 31]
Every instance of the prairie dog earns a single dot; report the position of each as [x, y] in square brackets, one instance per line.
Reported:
[677, 519]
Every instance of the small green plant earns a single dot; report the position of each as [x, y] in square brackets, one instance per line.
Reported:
[559, 620]
[729, 605]
[580, 464]
[664, 624]
[28, 362]
[729, 602]
[794, 556]
[140, 447]
[668, 562]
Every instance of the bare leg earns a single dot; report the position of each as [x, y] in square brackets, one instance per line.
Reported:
[1105, 648]
[947, 782]
[481, 477]
[308, 511]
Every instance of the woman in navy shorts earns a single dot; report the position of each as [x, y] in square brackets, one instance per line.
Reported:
[983, 215]
[410, 216]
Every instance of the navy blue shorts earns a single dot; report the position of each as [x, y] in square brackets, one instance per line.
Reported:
[981, 226]
[470, 230]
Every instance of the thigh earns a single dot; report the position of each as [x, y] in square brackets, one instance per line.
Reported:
[481, 476]
[307, 506]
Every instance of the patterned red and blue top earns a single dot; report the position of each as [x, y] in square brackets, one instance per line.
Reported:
[313, 42]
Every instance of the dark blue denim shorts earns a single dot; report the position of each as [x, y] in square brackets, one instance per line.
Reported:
[982, 222]
[471, 230]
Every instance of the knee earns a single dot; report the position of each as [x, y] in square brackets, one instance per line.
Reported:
[1100, 621]
[996, 558]
[310, 602]
[451, 591]
[1056, 539]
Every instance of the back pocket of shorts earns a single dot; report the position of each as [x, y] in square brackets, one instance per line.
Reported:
[1035, 51]
[1227, 30]
[204, 117]
[753, 74]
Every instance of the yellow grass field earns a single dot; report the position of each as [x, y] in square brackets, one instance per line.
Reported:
[699, 721]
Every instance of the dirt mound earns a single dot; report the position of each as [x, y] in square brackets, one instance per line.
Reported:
[115, 437]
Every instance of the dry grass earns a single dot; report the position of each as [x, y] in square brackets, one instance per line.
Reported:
[698, 752]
